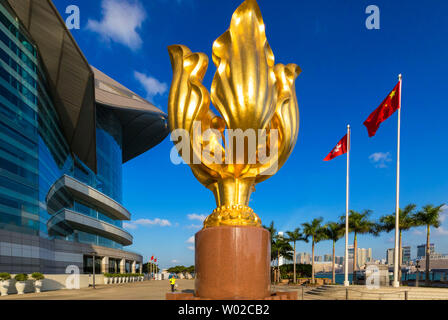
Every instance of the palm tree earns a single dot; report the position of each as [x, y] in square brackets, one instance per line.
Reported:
[359, 224]
[273, 233]
[407, 221]
[294, 236]
[314, 230]
[272, 230]
[429, 216]
[334, 231]
[281, 248]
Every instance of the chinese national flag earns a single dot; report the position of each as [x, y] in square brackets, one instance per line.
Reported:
[384, 111]
[152, 258]
[340, 149]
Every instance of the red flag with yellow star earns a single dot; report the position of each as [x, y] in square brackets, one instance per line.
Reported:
[384, 111]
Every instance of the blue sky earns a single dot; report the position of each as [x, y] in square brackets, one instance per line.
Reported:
[347, 71]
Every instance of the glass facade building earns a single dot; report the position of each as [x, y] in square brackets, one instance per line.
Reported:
[46, 191]
[29, 153]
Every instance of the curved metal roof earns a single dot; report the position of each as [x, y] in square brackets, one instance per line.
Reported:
[70, 78]
[75, 87]
[144, 125]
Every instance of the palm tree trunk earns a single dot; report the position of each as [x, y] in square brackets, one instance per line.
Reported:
[333, 267]
[278, 266]
[312, 263]
[400, 257]
[428, 253]
[295, 279]
[355, 255]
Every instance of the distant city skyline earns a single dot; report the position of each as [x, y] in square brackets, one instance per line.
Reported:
[366, 255]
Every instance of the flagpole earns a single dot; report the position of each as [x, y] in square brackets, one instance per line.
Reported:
[396, 282]
[346, 282]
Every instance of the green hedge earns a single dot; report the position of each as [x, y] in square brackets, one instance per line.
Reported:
[37, 276]
[122, 275]
[21, 277]
[5, 276]
[302, 271]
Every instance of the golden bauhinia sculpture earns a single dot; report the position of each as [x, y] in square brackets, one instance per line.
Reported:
[258, 115]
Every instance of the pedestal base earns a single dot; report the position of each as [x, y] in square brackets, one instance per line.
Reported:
[233, 263]
[289, 295]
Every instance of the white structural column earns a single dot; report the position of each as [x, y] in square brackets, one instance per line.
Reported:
[123, 266]
[346, 282]
[134, 264]
[397, 263]
[105, 265]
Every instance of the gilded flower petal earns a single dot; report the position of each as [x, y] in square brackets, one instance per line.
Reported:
[243, 89]
[189, 101]
[286, 117]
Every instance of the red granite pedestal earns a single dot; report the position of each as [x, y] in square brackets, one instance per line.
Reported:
[233, 263]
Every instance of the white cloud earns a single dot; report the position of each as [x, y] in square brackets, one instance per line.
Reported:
[444, 213]
[156, 221]
[191, 248]
[128, 225]
[174, 261]
[190, 240]
[441, 231]
[418, 232]
[194, 226]
[380, 159]
[195, 216]
[120, 21]
[146, 222]
[152, 86]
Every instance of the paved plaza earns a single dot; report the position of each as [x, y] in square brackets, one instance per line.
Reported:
[156, 290]
[147, 290]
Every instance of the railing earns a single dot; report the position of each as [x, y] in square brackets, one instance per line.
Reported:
[405, 293]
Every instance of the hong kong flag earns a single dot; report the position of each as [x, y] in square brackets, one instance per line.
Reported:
[384, 111]
[340, 149]
[155, 260]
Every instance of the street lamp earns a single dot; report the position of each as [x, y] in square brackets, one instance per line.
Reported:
[417, 266]
[93, 267]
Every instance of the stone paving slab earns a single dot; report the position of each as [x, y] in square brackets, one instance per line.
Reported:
[157, 290]
[147, 290]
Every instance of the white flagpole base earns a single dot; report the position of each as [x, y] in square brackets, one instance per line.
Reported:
[346, 283]
[396, 284]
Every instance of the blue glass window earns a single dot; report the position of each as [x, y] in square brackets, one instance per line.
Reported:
[109, 154]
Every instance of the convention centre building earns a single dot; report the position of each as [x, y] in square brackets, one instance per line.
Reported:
[66, 129]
